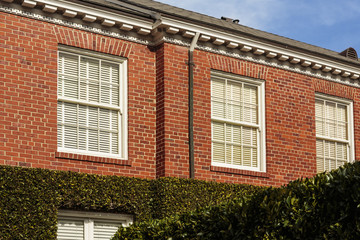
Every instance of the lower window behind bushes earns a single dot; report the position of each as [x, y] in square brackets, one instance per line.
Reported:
[79, 225]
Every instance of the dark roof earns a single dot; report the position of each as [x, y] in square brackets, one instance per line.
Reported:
[225, 26]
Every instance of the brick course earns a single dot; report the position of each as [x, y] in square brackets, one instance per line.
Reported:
[157, 108]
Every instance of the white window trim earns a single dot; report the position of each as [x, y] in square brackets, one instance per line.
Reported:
[90, 217]
[350, 116]
[260, 84]
[123, 118]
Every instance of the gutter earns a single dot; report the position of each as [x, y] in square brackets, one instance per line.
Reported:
[191, 105]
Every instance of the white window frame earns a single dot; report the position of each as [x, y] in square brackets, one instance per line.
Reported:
[350, 127]
[260, 84]
[122, 108]
[90, 217]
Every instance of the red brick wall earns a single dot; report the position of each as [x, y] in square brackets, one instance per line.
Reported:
[157, 108]
[176, 145]
[160, 113]
[290, 118]
[28, 72]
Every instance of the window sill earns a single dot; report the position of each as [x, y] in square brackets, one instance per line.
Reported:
[239, 171]
[97, 159]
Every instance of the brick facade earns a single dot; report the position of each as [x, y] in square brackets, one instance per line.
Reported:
[29, 98]
[157, 107]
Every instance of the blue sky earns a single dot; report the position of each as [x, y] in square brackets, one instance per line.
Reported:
[331, 24]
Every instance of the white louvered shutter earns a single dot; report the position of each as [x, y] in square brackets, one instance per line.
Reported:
[218, 145]
[70, 229]
[77, 225]
[218, 98]
[109, 83]
[250, 104]
[342, 122]
[68, 71]
[234, 105]
[90, 79]
[320, 117]
[105, 230]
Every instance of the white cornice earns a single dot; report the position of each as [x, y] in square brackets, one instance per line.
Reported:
[98, 13]
[246, 44]
[215, 40]
[263, 60]
[71, 24]
[88, 14]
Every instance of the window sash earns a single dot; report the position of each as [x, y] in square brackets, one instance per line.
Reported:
[235, 145]
[334, 138]
[246, 96]
[88, 85]
[88, 129]
[107, 74]
[234, 101]
[331, 155]
[331, 119]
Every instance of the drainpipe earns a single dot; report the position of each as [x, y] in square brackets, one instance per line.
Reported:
[191, 105]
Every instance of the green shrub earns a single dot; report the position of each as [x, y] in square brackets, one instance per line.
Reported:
[30, 198]
[324, 207]
[105, 193]
[28, 203]
[177, 195]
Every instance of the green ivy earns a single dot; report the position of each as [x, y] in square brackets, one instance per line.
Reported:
[324, 207]
[30, 198]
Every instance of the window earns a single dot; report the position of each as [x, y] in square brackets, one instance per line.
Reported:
[76, 225]
[237, 122]
[334, 132]
[92, 103]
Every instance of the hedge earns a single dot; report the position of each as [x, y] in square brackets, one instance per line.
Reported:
[177, 195]
[324, 207]
[30, 198]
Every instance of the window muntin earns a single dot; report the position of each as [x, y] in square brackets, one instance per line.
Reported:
[237, 114]
[77, 225]
[92, 105]
[334, 132]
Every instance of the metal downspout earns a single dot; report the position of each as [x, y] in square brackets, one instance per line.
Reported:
[191, 105]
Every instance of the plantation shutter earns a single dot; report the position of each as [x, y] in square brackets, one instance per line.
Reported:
[77, 225]
[68, 71]
[235, 124]
[332, 144]
[70, 229]
[320, 117]
[75, 229]
[218, 145]
[218, 98]
[250, 104]
[84, 83]
[105, 230]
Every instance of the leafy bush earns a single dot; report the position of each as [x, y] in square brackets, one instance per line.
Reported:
[324, 207]
[28, 204]
[30, 198]
[177, 195]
